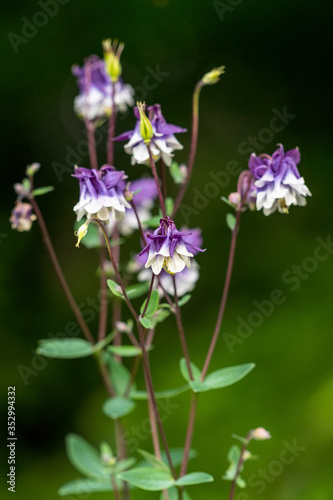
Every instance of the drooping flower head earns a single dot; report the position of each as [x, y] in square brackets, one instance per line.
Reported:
[94, 101]
[22, 216]
[101, 193]
[162, 143]
[169, 249]
[278, 183]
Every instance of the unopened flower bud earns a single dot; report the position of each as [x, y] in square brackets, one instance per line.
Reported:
[106, 455]
[234, 198]
[32, 169]
[260, 434]
[22, 217]
[128, 195]
[80, 233]
[212, 77]
[112, 53]
[146, 128]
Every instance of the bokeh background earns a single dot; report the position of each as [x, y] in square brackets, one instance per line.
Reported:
[277, 56]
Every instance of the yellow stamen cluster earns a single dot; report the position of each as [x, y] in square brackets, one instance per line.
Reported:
[80, 233]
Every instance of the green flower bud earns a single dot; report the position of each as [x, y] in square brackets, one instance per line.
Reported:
[146, 128]
[212, 77]
[112, 53]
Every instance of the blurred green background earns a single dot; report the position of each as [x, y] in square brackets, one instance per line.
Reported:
[276, 56]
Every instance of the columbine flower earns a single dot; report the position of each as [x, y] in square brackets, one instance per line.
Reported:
[162, 143]
[169, 249]
[22, 216]
[101, 193]
[186, 279]
[95, 98]
[277, 180]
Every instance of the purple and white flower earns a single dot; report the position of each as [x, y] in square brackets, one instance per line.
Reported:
[162, 144]
[101, 193]
[278, 183]
[169, 249]
[22, 216]
[95, 98]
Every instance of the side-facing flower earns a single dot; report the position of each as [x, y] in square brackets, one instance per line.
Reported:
[169, 249]
[101, 193]
[162, 142]
[22, 216]
[94, 101]
[246, 193]
[277, 180]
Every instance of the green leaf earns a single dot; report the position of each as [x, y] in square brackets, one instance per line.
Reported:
[233, 457]
[176, 173]
[82, 487]
[227, 201]
[177, 455]
[195, 371]
[146, 322]
[138, 289]
[152, 304]
[85, 458]
[148, 478]
[169, 393]
[222, 378]
[132, 291]
[69, 348]
[153, 221]
[42, 190]
[184, 300]
[161, 315]
[120, 375]
[194, 478]
[231, 221]
[154, 461]
[127, 463]
[169, 206]
[125, 351]
[117, 407]
[115, 288]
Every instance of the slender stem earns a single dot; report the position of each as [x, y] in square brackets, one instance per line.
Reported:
[189, 434]
[193, 149]
[181, 330]
[112, 128]
[59, 273]
[134, 371]
[115, 488]
[239, 466]
[153, 168]
[163, 179]
[149, 295]
[91, 144]
[116, 305]
[150, 387]
[224, 294]
[142, 234]
[103, 312]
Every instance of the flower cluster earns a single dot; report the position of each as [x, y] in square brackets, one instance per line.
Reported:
[22, 216]
[168, 249]
[162, 143]
[101, 193]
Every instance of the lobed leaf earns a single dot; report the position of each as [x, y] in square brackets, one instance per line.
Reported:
[117, 407]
